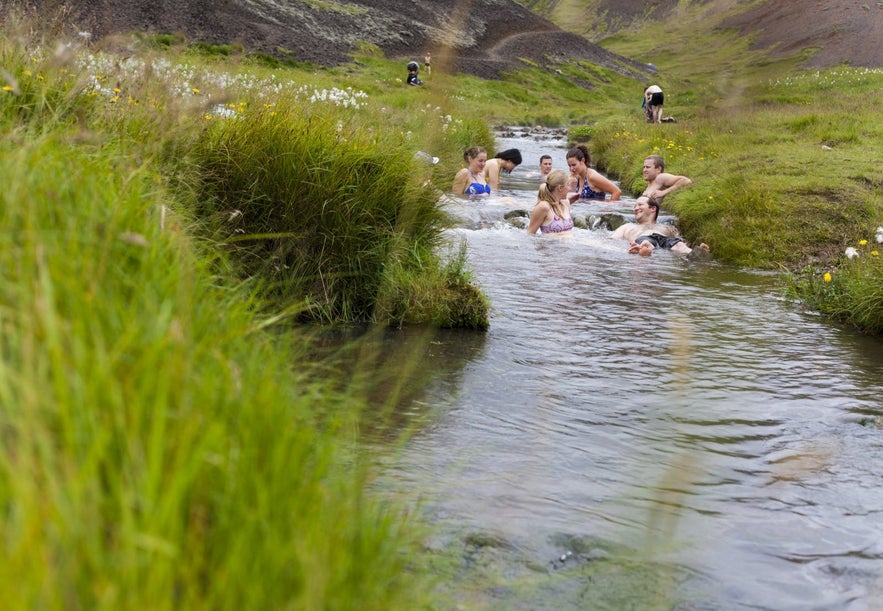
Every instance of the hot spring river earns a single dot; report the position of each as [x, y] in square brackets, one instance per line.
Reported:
[642, 433]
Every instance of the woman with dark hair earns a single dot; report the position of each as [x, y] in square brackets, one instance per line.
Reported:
[587, 183]
[551, 213]
[505, 161]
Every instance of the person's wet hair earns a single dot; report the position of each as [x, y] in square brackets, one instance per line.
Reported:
[658, 161]
[513, 155]
[472, 153]
[581, 153]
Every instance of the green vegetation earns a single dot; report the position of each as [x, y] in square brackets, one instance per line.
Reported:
[170, 440]
[783, 162]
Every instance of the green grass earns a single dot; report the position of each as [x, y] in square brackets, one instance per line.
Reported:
[160, 452]
[169, 441]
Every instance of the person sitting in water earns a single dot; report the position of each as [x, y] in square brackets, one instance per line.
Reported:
[545, 166]
[505, 161]
[659, 182]
[551, 213]
[413, 69]
[646, 234]
[469, 182]
[587, 183]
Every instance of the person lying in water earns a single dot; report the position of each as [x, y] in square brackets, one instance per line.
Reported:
[551, 213]
[646, 234]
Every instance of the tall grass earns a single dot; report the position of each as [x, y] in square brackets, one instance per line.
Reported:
[158, 450]
[324, 209]
[161, 449]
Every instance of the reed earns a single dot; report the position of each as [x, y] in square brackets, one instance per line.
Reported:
[331, 214]
[162, 447]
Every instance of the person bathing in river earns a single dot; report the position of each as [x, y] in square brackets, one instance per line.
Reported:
[659, 182]
[587, 183]
[505, 161]
[551, 213]
[646, 234]
[470, 182]
[545, 166]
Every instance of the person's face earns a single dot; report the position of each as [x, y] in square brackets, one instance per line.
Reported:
[508, 165]
[650, 170]
[643, 212]
[478, 161]
[546, 166]
[576, 165]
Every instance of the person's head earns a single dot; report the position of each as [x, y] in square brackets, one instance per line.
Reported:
[554, 188]
[545, 164]
[654, 165]
[413, 67]
[475, 157]
[509, 159]
[646, 210]
[578, 159]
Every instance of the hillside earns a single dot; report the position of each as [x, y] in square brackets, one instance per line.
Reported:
[839, 31]
[485, 38]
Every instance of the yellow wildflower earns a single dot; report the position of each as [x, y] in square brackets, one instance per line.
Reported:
[7, 88]
[827, 277]
[862, 242]
[874, 253]
[195, 90]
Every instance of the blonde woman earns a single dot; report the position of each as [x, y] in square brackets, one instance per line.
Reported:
[551, 213]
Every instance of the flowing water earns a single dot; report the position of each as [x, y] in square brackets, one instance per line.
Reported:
[636, 433]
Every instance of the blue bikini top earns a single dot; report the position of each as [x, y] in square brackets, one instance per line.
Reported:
[477, 188]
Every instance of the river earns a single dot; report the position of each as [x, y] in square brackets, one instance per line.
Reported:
[642, 432]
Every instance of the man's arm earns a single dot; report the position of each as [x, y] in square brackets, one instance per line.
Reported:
[670, 182]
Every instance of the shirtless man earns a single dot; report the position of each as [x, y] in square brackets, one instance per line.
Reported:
[645, 234]
[659, 182]
[545, 166]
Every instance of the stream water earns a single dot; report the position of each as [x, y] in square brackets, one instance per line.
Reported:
[642, 433]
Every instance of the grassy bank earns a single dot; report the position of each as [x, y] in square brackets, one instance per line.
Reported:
[166, 442]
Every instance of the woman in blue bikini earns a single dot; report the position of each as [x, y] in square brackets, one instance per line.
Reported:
[469, 182]
[551, 213]
[586, 182]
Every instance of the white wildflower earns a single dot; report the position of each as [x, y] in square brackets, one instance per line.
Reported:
[851, 253]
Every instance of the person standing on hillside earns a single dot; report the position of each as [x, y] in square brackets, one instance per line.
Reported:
[427, 63]
[659, 182]
[654, 97]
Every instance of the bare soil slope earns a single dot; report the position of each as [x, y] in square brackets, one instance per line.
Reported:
[481, 37]
[844, 31]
